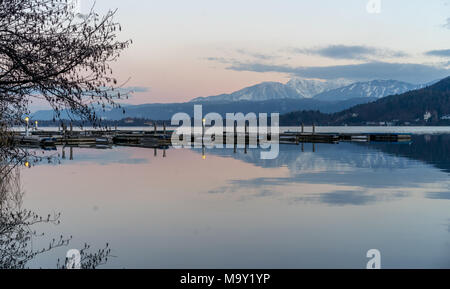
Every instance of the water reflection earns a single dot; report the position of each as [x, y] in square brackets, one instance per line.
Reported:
[320, 208]
[359, 166]
[439, 196]
[18, 225]
[431, 149]
[355, 173]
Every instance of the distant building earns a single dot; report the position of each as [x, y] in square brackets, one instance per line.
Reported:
[446, 117]
[427, 116]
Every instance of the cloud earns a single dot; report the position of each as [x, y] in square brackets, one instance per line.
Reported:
[134, 89]
[222, 60]
[131, 90]
[447, 25]
[357, 52]
[256, 55]
[409, 72]
[440, 53]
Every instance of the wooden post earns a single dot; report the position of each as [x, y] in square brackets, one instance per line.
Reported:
[203, 130]
[246, 132]
[71, 153]
[314, 128]
[164, 125]
[155, 128]
[71, 129]
[303, 127]
[26, 129]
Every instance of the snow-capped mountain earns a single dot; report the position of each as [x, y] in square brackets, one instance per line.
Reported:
[310, 87]
[329, 90]
[296, 88]
[375, 89]
[260, 92]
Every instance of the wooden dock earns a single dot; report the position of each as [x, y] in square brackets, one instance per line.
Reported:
[162, 138]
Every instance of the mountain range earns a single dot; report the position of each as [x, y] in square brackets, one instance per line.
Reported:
[375, 88]
[296, 95]
[296, 88]
[165, 111]
[331, 90]
[426, 106]
[308, 88]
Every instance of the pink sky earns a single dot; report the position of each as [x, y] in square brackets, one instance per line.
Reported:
[173, 40]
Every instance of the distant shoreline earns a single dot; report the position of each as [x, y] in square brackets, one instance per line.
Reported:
[319, 129]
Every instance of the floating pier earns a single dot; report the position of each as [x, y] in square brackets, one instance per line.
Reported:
[162, 138]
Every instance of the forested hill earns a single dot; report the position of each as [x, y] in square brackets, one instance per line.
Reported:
[427, 106]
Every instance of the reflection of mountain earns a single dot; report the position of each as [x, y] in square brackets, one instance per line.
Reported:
[326, 157]
[430, 149]
[355, 163]
[356, 173]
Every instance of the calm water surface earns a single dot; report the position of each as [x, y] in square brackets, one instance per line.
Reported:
[305, 209]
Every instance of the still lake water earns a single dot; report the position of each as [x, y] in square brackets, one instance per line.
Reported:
[322, 209]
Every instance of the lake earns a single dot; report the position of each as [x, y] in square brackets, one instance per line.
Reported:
[312, 208]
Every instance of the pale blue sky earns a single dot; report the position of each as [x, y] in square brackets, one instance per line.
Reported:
[185, 49]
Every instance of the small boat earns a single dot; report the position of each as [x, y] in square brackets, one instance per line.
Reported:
[102, 141]
[27, 140]
[360, 138]
[47, 141]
